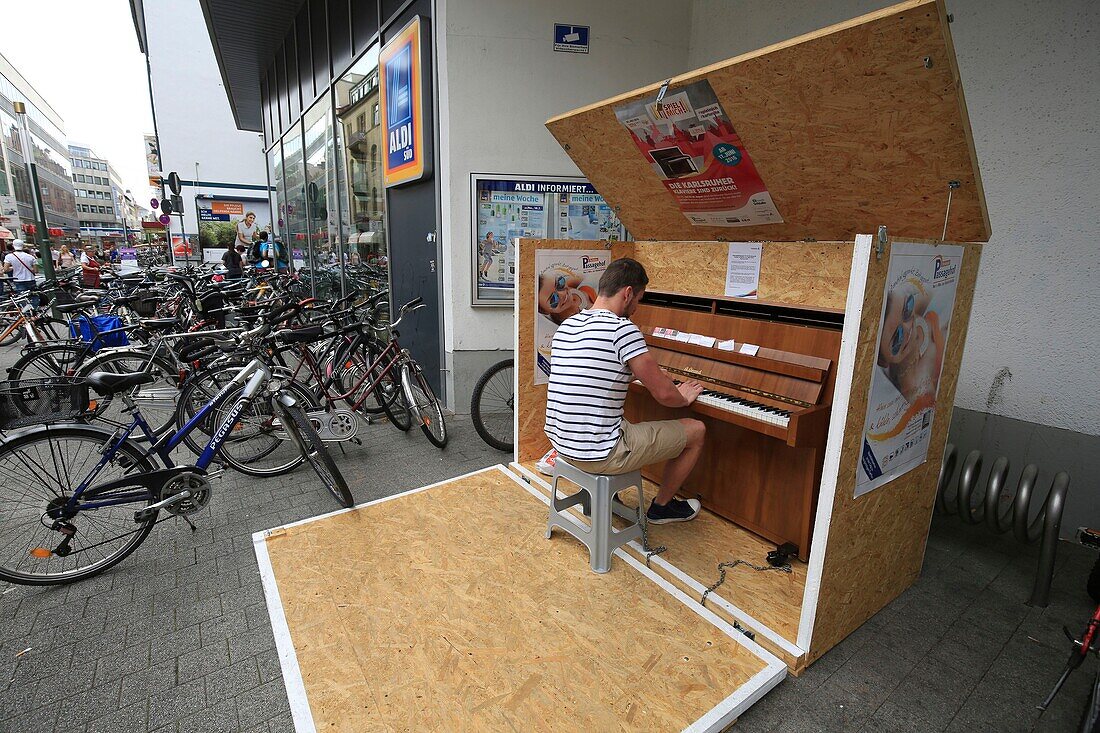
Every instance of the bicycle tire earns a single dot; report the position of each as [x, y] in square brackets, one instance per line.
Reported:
[489, 423]
[19, 450]
[314, 451]
[346, 369]
[55, 360]
[202, 387]
[424, 404]
[14, 335]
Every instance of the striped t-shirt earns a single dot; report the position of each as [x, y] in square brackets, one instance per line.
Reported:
[589, 380]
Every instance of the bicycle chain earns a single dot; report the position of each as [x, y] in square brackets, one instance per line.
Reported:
[723, 566]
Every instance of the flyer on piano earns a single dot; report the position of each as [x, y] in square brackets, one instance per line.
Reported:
[690, 144]
[568, 282]
[913, 334]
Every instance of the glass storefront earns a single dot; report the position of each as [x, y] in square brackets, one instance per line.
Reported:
[359, 139]
[296, 228]
[323, 259]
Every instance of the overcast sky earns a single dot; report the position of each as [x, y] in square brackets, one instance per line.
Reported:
[83, 57]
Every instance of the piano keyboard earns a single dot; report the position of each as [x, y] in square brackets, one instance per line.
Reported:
[748, 408]
[740, 406]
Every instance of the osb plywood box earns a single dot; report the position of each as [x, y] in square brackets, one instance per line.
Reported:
[841, 152]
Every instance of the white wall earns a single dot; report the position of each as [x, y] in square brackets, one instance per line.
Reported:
[1031, 75]
[500, 80]
[194, 121]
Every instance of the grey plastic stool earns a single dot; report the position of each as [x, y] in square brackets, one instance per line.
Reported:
[596, 496]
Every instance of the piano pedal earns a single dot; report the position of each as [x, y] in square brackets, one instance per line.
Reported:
[780, 556]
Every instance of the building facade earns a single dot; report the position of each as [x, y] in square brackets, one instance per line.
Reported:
[222, 169]
[1027, 386]
[50, 154]
[100, 198]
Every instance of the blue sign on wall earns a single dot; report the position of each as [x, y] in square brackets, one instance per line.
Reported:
[402, 106]
[570, 38]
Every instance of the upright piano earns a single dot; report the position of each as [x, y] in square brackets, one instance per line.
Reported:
[767, 414]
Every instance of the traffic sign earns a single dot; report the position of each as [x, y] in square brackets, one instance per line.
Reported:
[174, 182]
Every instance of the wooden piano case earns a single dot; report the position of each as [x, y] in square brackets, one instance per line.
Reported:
[860, 133]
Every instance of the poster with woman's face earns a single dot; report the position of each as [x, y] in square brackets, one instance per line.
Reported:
[568, 283]
[913, 334]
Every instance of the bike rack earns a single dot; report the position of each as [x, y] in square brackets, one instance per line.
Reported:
[1012, 516]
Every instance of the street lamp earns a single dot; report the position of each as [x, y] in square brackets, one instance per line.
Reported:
[36, 191]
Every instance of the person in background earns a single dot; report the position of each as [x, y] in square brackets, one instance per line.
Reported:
[22, 267]
[246, 230]
[65, 258]
[272, 251]
[233, 259]
[89, 263]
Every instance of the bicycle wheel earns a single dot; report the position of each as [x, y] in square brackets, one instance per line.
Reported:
[258, 445]
[9, 336]
[156, 400]
[423, 404]
[38, 471]
[57, 360]
[492, 406]
[302, 432]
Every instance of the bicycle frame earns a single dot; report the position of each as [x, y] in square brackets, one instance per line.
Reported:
[253, 376]
[391, 348]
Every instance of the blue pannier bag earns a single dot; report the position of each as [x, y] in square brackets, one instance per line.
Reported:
[80, 328]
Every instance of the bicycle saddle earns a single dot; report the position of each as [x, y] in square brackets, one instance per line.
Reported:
[79, 305]
[299, 335]
[108, 383]
[159, 324]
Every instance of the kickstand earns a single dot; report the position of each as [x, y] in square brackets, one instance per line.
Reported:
[190, 524]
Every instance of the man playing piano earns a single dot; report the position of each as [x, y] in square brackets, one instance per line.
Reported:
[595, 355]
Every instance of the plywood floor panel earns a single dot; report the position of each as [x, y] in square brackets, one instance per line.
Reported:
[696, 548]
[447, 609]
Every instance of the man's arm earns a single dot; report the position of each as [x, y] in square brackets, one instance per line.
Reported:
[664, 390]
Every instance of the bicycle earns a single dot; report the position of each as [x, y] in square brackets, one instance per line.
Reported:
[492, 406]
[87, 485]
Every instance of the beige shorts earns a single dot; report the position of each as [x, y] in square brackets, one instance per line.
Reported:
[640, 445]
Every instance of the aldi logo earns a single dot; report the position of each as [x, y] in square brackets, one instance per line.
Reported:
[402, 106]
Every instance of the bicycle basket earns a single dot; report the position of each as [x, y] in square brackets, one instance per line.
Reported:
[144, 303]
[37, 401]
[80, 328]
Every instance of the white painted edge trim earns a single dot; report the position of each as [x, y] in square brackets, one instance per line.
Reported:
[830, 472]
[721, 715]
[288, 660]
[740, 614]
[515, 366]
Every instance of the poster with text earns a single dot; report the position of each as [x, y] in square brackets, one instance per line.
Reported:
[506, 209]
[692, 147]
[567, 284]
[743, 269]
[220, 220]
[912, 337]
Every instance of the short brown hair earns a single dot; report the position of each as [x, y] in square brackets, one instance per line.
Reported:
[622, 273]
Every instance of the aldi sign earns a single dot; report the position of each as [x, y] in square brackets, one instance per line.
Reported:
[400, 67]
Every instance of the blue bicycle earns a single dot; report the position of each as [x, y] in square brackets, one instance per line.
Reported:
[77, 499]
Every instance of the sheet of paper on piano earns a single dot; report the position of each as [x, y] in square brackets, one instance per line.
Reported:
[665, 333]
[749, 349]
[698, 340]
[726, 345]
[684, 338]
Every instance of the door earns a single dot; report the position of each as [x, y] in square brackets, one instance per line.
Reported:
[412, 213]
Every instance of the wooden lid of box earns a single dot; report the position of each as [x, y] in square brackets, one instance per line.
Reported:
[850, 127]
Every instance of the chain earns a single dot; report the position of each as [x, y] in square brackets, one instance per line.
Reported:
[649, 551]
[722, 566]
